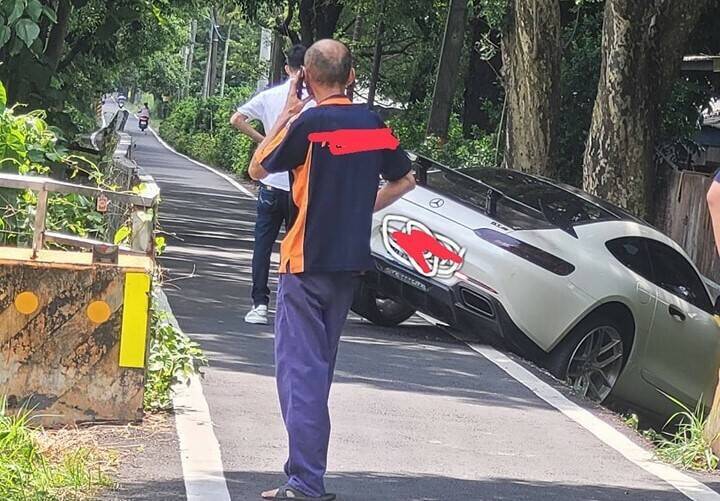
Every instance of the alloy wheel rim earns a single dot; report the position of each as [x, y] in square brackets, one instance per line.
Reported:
[595, 364]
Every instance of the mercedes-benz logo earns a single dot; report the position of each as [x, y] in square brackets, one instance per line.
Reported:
[436, 203]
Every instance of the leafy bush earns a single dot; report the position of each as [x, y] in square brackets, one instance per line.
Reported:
[29, 146]
[173, 358]
[457, 151]
[202, 130]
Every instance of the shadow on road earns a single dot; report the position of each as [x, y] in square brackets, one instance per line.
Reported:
[371, 486]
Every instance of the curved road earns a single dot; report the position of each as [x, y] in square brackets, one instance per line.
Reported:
[417, 415]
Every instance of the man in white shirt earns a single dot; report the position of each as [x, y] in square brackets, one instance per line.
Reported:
[273, 198]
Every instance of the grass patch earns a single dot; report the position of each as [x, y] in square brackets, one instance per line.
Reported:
[687, 447]
[36, 466]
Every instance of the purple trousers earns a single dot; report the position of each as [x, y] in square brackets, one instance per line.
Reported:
[311, 312]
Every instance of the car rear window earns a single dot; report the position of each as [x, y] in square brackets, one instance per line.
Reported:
[530, 202]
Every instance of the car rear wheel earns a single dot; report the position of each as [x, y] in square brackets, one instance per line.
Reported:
[380, 310]
[591, 358]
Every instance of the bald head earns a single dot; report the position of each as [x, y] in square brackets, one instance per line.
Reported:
[329, 62]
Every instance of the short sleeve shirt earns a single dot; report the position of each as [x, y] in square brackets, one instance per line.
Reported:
[336, 154]
[266, 106]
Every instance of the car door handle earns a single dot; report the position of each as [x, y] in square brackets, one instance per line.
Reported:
[676, 313]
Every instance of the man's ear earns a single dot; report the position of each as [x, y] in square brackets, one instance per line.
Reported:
[351, 78]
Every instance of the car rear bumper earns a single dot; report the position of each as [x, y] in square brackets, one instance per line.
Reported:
[463, 306]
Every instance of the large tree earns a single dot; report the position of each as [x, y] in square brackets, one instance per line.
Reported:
[643, 43]
[531, 70]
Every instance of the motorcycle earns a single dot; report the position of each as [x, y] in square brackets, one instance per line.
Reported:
[143, 121]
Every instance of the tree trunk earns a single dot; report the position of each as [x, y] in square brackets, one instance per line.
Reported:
[56, 40]
[531, 70]
[307, 22]
[225, 61]
[448, 67]
[214, 53]
[327, 13]
[481, 80]
[377, 55]
[642, 48]
[277, 59]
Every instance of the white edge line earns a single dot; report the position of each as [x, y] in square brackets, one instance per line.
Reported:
[211, 169]
[641, 457]
[203, 471]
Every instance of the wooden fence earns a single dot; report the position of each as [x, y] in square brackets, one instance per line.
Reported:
[685, 218]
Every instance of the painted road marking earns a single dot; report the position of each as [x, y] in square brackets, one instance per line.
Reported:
[641, 457]
[207, 167]
[203, 471]
[202, 466]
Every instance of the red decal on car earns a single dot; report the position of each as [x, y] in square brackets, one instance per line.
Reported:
[347, 141]
[417, 243]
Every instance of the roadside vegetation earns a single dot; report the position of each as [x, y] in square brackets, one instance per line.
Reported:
[38, 467]
[683, 442]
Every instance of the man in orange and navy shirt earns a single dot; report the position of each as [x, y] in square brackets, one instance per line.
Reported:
[336, 154]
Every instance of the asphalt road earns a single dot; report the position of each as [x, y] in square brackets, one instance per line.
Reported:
[416, 414]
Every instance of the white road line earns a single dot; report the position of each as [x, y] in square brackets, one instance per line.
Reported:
[687, 485]
[202, 466]
[211, 169]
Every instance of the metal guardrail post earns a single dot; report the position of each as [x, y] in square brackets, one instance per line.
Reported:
[39, 226]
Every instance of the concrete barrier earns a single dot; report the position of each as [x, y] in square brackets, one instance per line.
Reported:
[73, 335]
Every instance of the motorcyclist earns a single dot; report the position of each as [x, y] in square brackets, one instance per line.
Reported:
[144, 112]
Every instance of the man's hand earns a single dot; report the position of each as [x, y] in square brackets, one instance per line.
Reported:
[713, 200]
[394, 190]
[293, 104]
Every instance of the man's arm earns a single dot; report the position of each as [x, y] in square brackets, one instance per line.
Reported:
[240, 122]
[713, 200]
[394, 190]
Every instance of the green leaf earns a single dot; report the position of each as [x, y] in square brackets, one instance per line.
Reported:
[34, 9]
[4, 35]
[50, 14]
[3, 96]
[27, 31]
[14, 9]
[121, 235]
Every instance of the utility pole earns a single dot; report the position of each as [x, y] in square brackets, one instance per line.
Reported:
[377, 56]
[447, 69]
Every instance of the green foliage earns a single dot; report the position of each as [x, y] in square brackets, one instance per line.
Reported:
[687, 447]
[457, 151]
[173, 359]
[202, 130]
[20, 22]
[26, 474]
[28, 145]
[579, 73]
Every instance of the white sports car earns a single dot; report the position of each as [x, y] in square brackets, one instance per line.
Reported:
[574, 283]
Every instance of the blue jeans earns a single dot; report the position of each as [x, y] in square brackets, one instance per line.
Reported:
[272, 211]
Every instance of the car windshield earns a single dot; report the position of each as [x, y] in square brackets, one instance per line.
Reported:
[528, 203]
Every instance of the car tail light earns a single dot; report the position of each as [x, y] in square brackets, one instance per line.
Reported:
[526, 251]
